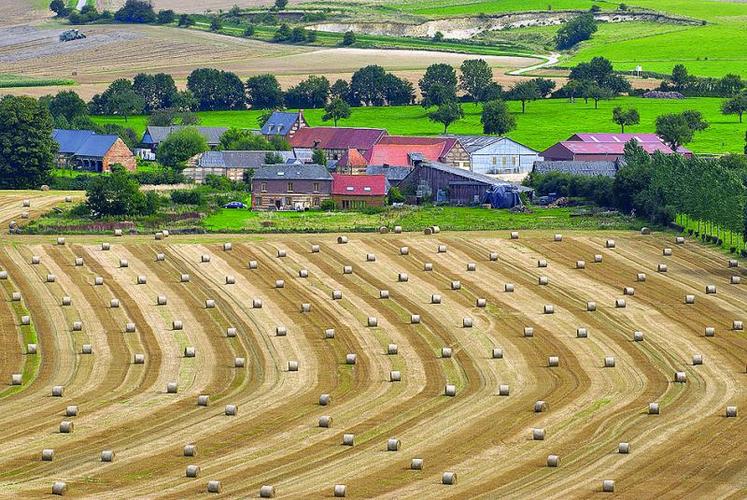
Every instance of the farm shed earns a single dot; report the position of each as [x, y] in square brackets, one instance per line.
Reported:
[588, 168]
[359, 191]
[290, 187]
[605, 147]
[154, 136]
[231, 164]
[394, 175]
[283, 124]
[86, 150]
[455, 186]
[491, 155]
[403, 151]
[334, 141]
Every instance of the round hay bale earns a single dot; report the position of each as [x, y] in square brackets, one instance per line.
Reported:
[731, 411]
[35, 260]
[689, 299]
[610, 244]
[329, 333]
[541, 263]
[16, 379]
[59, 488]
[620, 303]
[114, 303]
[608, 486]
[340, 490]
[347, 270]
[325, 421]
[641, 277]
[508, 287]
[582, 333]
[666, 252]
[230, 280]
[370, 257]
[471, 267]
[414, 319]
[538, 434]
[540, 406]
[737, 325]
[60, 240]
[416, 464]
[467, 322]
[497, 353]
[680, 377]
[105, 247]
[710, 331]
[383, 230]
[735, 280]
[597, 258]
[450, 390]
[282, 253]
[203, 400]
[31, 348]
[383, 294]
[158, 236]
[543, 281]
[231, 410]
[177, 324]
[436, 229]
[51, 278]
[130, 327]
[303, 273]
[638, 336]
[67, 300]
[252, 264]
[503, 390]
[480, 302]
[623, 448]
[305, 307]
[591, 306]
[395, 376]
[139, 359]
[47, 455]
[697, 359]
[279, 283]
[350, 359]
[493, 256]
[160, 257]
[3, 275]
[514, 235]
[341, 240]
[141, 280]
[427, 266]
[66, 427]
[441, 249]
[449, 478]
[553, 361]
[558, 237]
[15, 296]
[117, 232]
[124, 263]
[26, 203]
[393, 444]
[404, 251]
[372, 321]
[281, 331]
[549, 309]
[580, 264]
[435, 299]
[190, 450]
[315, 248]
[189, 352]
[456, 285]
[336, 294]
[710, 289]
[256, 303]
[231, 332]
[609, 361]
[161, 300]
[172, 388]
[24, 215]
[661, 268]
[680, 240]
[292, 366]
[77, 326]
[629, 291]
[446, 352]
[107, 456]
[227, 247]
[553, 461]
[397, 229]
[86, 349]
[403, 277]
[193, 470]
[325, 399]
[204, 258]
[653, 408]
[348, 439]
[25, 320]
[528, 331]
[645, 230]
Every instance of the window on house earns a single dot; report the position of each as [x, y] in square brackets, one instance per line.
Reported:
[495, 160]
[316, 187]
[315, 201]
[349, 188]
[515, 160]
[263, 187]
[367, 188]
[504, 161]
[258, 201]
[290, 187]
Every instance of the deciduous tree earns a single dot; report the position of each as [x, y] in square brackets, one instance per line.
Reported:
[496, 118]
[438, 85]
[446, 114]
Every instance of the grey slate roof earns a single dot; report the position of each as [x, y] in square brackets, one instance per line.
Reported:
[83, 142]
[293, 172]
[392, 174]
[473, 143]
[279, 123]
[590, 168]
[470, 177]
[156, 135]
[239, 159]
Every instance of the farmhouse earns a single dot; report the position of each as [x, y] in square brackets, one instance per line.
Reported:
[86, 150]
[290, 187]
[498, 155]
[588, 168]
[359, 191]
[231, 164]
[352, 162]
[154, 136]
[605, 147]
[334, 141]
[403, 151]
[283, 124]
[445, 184]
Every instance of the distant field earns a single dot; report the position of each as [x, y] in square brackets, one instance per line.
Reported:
[10, 81]
[544, 123]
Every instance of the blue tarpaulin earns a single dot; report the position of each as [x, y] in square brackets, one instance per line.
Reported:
[501, 197]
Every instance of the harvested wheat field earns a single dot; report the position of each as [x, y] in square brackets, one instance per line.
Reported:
[19, 206]
[276, 365]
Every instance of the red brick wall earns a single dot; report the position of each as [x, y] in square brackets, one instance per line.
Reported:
[119, 153]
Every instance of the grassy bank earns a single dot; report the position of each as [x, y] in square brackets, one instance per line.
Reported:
[10, 81]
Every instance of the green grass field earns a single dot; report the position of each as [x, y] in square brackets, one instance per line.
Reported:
[545, 122]
[9, 81]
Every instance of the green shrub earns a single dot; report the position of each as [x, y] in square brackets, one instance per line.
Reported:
[186, 197]
[328, 205]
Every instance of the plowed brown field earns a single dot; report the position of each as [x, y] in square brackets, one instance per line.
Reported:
[689, 450]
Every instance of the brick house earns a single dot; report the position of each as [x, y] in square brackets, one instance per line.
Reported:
[86, 150]
[154, 136]
[334, 141]
[231, 164]
[359, 191]
[405, 151]
[290, 187]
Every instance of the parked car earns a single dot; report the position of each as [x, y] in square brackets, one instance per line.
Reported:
[234, 204]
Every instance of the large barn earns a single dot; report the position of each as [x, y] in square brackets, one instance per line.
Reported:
[87, 150]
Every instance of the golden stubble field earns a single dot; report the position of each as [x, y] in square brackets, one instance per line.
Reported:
[690, 449]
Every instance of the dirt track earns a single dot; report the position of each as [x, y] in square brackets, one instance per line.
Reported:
[690, 449]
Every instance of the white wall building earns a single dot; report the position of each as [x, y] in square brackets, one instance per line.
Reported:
[498, 155]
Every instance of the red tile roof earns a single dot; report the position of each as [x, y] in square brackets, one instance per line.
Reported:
[336, 138]
[394, 150]
[352, 158]
[358, 185]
